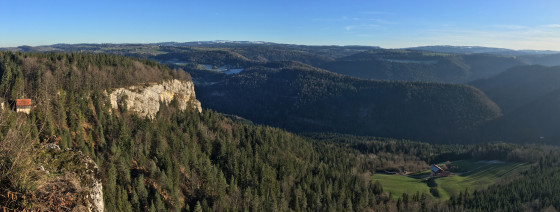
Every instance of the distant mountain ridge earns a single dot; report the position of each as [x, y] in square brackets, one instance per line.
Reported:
[415, 65]
[449, 64]
[479, 50]
[434, 48]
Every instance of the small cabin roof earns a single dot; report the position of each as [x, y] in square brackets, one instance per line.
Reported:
[436, 168]
[23, 102]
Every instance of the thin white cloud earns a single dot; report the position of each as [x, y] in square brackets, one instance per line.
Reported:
[354, 20]
[376, 13]
[356, 25]
[375, 20]
[551, 26]
[378, 31]
[507, 36]
[361, 27]
[512, 27]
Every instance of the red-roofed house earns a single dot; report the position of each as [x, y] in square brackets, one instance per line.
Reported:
[23, 105]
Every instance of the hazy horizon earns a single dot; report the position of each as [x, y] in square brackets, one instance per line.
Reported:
[258, 41]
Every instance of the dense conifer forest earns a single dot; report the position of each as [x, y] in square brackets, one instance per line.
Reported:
[191, 161]
[301, 98]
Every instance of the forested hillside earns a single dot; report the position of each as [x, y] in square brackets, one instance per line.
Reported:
[258, 51]
[192, 161]
[181, 160]
[536, 121]
[411, 65]
[544, 59]
[482, 50]
[254, 52]
[301, 98]
[448, 64]
[213, 57]
[520, 86]
[529, 97]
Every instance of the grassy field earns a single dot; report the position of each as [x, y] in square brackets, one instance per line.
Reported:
[474, 175]
[399, 184]
[481, 176]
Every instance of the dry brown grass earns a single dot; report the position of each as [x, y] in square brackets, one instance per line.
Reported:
[17, 168]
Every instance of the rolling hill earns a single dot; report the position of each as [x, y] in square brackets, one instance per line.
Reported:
[520, 85]
[535, 122]
[408, 65]
[302, 98]
[543, 59]
[267, 52]
[529, 97]
[447, 64]
[480, 50]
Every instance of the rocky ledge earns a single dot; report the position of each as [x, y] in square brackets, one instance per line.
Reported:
[70, 181]
[145, 99]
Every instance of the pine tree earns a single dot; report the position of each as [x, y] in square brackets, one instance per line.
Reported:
[159, 204]
[109, 189]
[198, 207]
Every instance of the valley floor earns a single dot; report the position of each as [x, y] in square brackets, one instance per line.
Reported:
[471, 175]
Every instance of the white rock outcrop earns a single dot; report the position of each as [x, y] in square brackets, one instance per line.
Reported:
[72, 181]
[96, 203]
[145, 100]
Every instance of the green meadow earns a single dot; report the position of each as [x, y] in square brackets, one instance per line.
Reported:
[471, 175]
[396, 185]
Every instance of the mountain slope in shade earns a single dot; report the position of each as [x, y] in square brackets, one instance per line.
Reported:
[530, 99]
[536, 122]
[480, 50]
[410, 65]
[543, 59]
[520, 86]
[302, 98]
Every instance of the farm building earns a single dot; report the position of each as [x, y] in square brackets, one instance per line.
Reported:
[438, 171]
[23, 105]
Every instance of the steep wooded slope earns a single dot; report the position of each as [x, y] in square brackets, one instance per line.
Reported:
[520, 85]
[530, 98]
[302, 98]
[179, 160]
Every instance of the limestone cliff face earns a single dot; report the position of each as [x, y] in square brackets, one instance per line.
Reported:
[96, 194]
[145, 100]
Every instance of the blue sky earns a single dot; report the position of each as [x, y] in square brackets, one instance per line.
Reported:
[512, 24]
